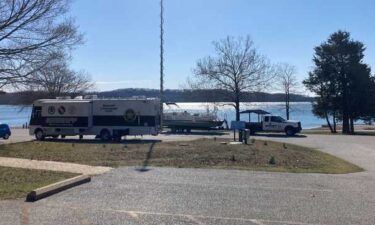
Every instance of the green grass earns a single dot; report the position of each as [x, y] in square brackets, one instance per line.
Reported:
[204, 153]
[16, 183]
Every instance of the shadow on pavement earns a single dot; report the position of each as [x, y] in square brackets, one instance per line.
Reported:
[148, 157]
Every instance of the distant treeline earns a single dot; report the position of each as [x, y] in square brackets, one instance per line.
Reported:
[171, 95]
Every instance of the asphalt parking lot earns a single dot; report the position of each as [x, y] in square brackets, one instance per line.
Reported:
[204, 196]
[198, 196]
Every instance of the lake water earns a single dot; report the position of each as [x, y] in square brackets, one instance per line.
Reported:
[18, 115]
[15, 115]
[301, 111]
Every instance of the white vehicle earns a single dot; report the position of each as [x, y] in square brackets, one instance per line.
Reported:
[105, 118]
[270, 123]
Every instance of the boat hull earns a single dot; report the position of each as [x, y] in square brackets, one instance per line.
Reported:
[188, 124]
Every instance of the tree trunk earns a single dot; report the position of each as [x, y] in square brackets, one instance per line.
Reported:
[329, 123]
[287, 105]
[345, 123]
[345, 110]
[334, 123]
[351, 125]
[237, 107]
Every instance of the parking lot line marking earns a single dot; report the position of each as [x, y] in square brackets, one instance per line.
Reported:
[258, 222]
[194, 219]
[133, 214]
[25, 215]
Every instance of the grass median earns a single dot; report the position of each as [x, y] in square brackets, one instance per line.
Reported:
[203, 153]
[16, 182]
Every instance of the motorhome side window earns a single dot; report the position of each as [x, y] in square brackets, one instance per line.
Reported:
[266, 118]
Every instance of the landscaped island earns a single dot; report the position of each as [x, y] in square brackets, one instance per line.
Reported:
[203, 153]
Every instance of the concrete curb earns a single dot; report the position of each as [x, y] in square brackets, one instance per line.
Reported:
[51, 189]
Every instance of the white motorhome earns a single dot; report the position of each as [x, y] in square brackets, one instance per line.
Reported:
[105, 118]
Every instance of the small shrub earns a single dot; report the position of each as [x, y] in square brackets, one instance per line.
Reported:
[265, 143]
[214, 138]
[233, 159]
[252, 141]
[284, 145]
[104, 146]
[272, 160]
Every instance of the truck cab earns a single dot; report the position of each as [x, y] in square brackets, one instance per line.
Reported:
[271, 123]
[279, 124]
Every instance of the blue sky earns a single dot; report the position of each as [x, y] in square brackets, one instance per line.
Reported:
[122, 36]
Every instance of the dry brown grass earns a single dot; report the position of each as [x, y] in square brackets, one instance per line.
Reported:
[204, 153]
[16, 182]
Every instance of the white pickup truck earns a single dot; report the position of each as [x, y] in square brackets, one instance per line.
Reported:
[270, 123]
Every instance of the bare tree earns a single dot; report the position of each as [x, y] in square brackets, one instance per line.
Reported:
[29, 31]
[287, 82]
[237, 67]
[56, 78]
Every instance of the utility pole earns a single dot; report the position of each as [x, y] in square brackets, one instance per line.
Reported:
[161, 63]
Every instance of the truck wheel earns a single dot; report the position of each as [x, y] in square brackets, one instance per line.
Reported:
[289, 131]
[39, 135]
[6, 136]
[105, 135]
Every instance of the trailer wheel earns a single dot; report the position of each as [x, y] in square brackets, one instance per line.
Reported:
[117, 138]
[39, 135]
[105, 135]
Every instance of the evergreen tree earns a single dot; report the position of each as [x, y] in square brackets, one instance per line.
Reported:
[342, 82]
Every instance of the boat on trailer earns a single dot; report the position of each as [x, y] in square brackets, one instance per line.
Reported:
[186, 121]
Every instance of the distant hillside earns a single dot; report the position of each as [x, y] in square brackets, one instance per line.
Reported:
[171, 95]
[178, 95]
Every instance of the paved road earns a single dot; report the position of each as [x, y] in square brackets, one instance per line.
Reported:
[196, 196]
[22, 135]
[53, 166]
[18, 135]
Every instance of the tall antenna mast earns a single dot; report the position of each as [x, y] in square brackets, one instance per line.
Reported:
[161, 62]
